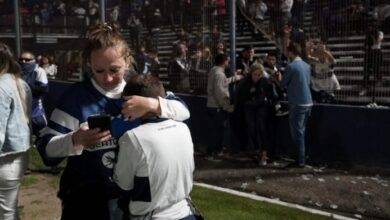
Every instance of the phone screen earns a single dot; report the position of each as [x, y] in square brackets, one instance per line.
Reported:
[100, 121]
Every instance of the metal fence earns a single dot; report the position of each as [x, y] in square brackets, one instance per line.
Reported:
[180, 39]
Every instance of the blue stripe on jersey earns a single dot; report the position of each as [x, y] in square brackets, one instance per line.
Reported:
[58, 127]
[141, 190]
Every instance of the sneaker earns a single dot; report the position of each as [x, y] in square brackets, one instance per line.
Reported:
[281, 113]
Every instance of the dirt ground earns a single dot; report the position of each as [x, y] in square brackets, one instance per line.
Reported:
[37, 198]
[354, 193]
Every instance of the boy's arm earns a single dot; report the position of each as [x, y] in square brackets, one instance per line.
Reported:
[130, 157]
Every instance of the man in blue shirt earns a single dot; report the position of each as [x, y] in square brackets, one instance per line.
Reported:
[297, 81]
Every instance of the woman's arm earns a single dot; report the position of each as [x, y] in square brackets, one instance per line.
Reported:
[170, 107]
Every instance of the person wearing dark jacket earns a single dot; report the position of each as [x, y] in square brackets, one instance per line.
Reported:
[36, 78]
[255, 95]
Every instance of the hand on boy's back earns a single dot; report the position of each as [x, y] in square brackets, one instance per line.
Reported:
[137, 106]
[86, 137]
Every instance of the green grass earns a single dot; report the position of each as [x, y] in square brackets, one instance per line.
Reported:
[214, 205]
[36, 163]
[29, 181]
[217, 205]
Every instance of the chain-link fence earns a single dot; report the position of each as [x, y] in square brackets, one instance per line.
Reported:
[347, 41]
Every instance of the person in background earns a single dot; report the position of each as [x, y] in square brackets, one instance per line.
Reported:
[154, 160]
[323, 81]
[273, 73]
[255, 95]
[245, 60]
[135, 28]
[297, 81]
[36, 78]
[87, 190]
[218, 103]
[15, 110]
[373, 60]
[47, 63]
[219, 49]
[179, 70]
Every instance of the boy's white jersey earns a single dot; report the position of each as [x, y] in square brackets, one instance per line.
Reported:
[156, 162]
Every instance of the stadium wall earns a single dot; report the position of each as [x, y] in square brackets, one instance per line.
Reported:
[350, 135]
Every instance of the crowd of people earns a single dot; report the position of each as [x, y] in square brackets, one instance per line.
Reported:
[98, 181]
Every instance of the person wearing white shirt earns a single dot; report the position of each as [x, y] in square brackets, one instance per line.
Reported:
[155, 161]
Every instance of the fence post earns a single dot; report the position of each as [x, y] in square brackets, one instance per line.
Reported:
[17, 28]
[102, 9]
[232, 36]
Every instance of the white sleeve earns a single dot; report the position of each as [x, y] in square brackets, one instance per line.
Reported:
[129, 159]
[173, 109]
[41, 75]
[61, 144]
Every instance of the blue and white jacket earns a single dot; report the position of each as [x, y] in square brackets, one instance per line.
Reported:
[90, 166]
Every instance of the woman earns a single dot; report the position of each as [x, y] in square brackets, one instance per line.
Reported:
[47, 63]
[323, 80]
[86, 188]
[15, 102]
[256, 97]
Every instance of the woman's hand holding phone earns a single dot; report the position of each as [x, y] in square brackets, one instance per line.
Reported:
[86, 137]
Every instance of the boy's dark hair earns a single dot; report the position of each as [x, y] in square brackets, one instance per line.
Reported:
[220, 59]
[144, 85]
[247, 48]
[295, 49]
[272, 53]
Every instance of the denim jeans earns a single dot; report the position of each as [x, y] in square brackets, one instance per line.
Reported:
[115, 212]
[298, 116]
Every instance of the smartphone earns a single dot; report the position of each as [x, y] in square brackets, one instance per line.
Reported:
[100, 121]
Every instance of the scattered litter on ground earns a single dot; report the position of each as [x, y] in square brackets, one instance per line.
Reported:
[333, 206]
[244, 186]
[321, 180]
[306, 177]
[259, 180]
[366, 193]
[353, 182]
[318, 204]
[358, 216]
[337, 178]
[361, 210]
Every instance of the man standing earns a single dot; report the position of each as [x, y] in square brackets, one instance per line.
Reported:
[155, 161]
[297, 81]
[218, 102]
[36, 78]
[245, 59]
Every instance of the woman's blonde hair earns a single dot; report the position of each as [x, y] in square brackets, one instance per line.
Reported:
[255, 67]
[9, 65]
[102, 36]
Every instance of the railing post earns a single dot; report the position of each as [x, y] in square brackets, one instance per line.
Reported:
[102, 10]
[17, 28]
[232, 36]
